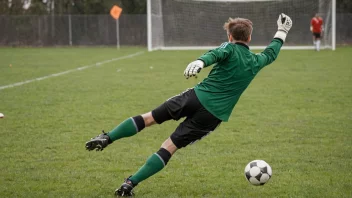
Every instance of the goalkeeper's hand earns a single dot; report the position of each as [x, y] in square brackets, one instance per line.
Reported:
[193, 68]
[284, 24]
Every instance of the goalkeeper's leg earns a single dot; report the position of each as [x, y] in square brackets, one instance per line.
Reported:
[195, 127]
[127, 128]
[168, 110]
[154, 164]
[174, 108]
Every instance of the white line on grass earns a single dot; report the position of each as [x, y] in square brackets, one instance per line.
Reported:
[70, 71]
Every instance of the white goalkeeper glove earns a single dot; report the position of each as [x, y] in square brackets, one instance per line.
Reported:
[284, 24]
[193, 68]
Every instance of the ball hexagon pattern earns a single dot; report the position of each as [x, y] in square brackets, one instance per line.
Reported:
[258, 172]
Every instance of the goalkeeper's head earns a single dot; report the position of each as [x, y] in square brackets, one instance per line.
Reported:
[239, 30]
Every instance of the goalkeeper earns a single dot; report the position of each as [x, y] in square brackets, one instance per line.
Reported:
[207, 104]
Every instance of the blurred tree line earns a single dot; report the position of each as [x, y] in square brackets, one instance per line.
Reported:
[343, 6]
[38, 7]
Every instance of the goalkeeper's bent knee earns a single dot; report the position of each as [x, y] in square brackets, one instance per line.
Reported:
[164, 154]
[139, 122]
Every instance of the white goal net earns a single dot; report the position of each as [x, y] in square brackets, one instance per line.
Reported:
[197, 24]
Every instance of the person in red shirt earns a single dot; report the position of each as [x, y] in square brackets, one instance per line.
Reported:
[316, 27]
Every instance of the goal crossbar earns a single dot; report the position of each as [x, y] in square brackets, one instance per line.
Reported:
[197, 24]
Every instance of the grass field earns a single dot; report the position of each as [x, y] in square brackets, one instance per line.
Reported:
[296, 115]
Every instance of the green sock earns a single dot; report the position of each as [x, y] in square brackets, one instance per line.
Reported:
[153, 165]
[125, 129]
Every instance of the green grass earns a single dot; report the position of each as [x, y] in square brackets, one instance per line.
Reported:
[296, 115]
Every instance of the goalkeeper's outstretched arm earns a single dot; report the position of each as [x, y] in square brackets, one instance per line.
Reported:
[207, 59]
[270, 53]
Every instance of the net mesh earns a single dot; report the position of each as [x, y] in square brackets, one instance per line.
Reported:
[197, 23]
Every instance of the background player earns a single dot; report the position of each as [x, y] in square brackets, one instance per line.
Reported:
[206, 105]
[316, 27]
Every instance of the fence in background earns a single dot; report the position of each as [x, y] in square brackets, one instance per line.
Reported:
[46, 30]
[100, 30]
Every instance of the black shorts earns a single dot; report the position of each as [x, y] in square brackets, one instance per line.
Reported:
[198, 123]
[316, 35]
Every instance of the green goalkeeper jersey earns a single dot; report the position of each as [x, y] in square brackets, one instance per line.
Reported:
[235, 68]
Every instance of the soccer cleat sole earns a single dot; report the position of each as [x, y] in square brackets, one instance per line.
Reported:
[126, 190]
[122, 193]
[94, 145]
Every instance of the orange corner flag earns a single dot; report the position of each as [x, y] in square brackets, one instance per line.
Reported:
[115, 12]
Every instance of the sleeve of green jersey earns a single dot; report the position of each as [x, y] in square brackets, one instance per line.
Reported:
[216, 55]
[270, 53]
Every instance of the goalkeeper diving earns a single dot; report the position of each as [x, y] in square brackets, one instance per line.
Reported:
[205, 105]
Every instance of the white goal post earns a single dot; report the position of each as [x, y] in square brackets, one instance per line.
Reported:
[197, 24]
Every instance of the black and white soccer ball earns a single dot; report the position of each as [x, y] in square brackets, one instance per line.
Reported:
[258, 172]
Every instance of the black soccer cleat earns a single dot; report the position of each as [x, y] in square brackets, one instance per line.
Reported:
[126, 189]
[98, 143]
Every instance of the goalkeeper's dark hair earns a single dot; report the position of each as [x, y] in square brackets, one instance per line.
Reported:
[239, 28]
